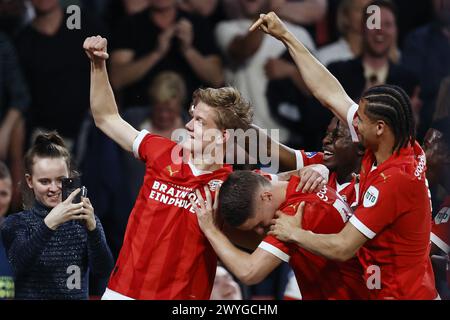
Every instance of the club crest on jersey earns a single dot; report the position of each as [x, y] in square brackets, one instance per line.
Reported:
[442, 216]
[309, 155]
[213, 184]
[370, 197]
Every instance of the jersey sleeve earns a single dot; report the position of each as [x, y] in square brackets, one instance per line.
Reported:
[318, 217]
[307, 158]
[351, 115]
[378, 208]
[322, 218]
[149, 147]
[276, 247]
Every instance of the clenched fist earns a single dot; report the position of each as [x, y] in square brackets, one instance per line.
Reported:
[96, 48]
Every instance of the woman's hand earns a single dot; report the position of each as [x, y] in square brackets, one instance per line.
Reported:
[65, 211]
[88, 214]
[285, 227]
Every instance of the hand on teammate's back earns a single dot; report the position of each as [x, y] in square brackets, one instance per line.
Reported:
[312, 178]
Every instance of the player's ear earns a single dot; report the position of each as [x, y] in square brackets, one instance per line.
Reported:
[381, 127]
[29, 180]
[266, 196]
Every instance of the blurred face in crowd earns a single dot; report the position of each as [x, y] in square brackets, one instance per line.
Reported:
[338, 147]
[165, 114]
[378, 42]
[45, 6]
[5, 195]
[442, 11]
[252, 8]
[202, 7]
[46, 180]
[161, 5]
[355, 15]
[438, 156]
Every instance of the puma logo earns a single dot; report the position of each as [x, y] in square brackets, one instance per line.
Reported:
[169, 168]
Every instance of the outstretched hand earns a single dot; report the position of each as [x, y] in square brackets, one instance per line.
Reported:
[96, 48]
[271, 24]
[284, 226]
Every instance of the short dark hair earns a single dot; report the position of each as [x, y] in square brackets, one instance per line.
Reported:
[392, 105]
[237, 196]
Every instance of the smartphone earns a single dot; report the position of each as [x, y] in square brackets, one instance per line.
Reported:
[71, 184]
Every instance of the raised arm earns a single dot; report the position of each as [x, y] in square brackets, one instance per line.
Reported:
[322, 84]
[103, 105]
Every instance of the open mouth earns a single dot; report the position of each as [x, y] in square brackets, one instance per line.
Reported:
[327, 154]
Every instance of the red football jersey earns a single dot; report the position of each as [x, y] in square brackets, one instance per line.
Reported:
[394, 213]
[165, 255]
[348, 191]
[308, 158]
[319, 278]
[440, 232]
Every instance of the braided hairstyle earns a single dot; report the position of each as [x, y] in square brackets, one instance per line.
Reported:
[392, 105]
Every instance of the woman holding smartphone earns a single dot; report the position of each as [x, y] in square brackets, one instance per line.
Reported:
[52, 243]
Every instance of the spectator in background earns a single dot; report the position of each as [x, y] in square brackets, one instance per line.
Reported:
[14, 15]
[117, 10]
[167, 94]
[373, 66]
[225, 288]
[349, 17]
[437, 149]
[249, 54]
[163, 38]
[6, 273]
[213, 10]
[426, 53]
[45, 244]
[304, 12]
[59, 90]
[14, 102]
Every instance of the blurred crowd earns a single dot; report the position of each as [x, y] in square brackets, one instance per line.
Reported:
[162, 50]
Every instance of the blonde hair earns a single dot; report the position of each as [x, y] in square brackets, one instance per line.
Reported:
[166, 86]
[342, 20]
[232, 110]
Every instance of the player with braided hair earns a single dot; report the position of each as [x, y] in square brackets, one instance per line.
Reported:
[390, 229]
